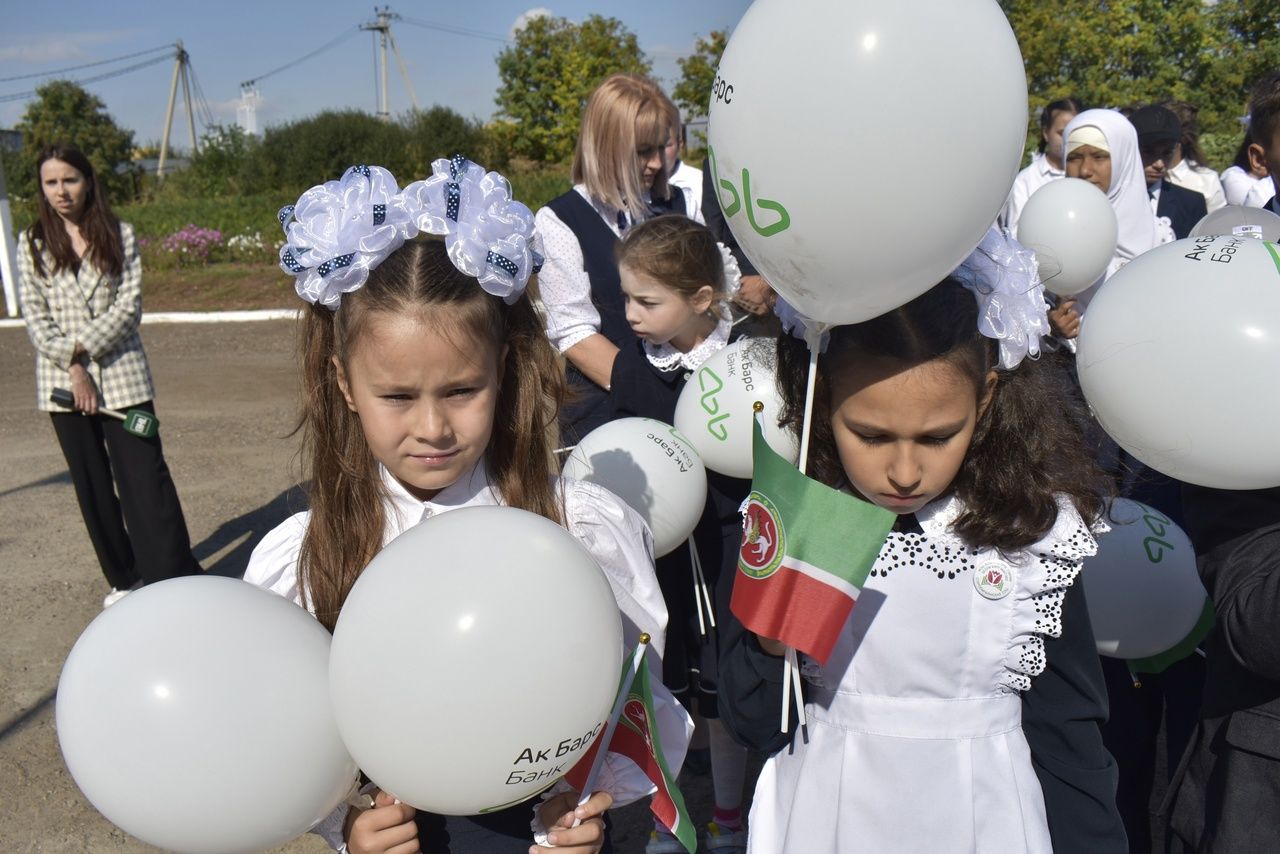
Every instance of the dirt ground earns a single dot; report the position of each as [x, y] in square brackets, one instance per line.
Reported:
[225, 396]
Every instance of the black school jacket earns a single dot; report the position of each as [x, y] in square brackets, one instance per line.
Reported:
[1183, 207]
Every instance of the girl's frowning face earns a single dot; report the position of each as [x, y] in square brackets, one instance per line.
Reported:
[1092, 164]
[902, 434]
[426, 407]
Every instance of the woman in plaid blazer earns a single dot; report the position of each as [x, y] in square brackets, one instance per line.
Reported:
[81, 289]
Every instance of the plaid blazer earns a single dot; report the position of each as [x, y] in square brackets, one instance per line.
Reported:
[100, 311]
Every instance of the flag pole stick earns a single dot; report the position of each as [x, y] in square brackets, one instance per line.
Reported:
[612, 724]
[701, 595]
[790, 671]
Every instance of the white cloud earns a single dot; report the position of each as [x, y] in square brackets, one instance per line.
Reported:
[55, 47]
[524, 18]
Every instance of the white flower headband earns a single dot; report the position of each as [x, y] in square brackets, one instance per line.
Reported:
[341, 230]
[1002, 275]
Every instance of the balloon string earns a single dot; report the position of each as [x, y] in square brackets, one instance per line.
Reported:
[811, 336]
[702, 598]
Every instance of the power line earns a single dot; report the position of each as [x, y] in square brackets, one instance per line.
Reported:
[202, 103]
[457, 31]
[345, 35]
[86, 65]
[24, 96]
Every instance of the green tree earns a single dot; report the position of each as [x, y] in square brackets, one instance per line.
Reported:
[697, 74]
[301, 154]
[64, 112]
[217, 169]
[547, 75]
[1144, 51]
[440, 132]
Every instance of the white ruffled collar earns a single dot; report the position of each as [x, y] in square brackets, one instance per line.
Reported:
[664, 357]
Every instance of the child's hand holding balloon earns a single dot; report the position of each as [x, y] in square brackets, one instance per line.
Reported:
[572, 828]
[387, 828]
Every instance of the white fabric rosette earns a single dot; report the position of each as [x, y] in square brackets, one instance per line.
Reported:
[488, 234]
[1003, 276]
[339, 231]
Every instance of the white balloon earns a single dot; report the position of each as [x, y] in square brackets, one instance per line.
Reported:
[1144, 593]
[1240, 221]
[475, 659]
[816, 117]
[651, 467]
[1179, 359]
[1072, 228]
[715, 407]
[194, 714]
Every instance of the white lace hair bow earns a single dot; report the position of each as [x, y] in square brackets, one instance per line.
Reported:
[341, 230]
[1003, 276]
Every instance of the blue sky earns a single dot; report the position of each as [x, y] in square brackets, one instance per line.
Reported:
[234, 40]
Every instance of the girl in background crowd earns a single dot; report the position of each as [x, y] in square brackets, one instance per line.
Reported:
[676, 280]
[1047, 163]
[1187, 168]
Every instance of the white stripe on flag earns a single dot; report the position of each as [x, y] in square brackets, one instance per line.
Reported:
[822, 575]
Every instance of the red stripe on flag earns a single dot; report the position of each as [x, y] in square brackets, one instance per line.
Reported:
[792, 607]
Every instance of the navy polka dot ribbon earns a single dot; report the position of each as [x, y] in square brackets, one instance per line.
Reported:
[452, 190]
[502, 262]
[537, 263]
[285, 214]
[361, 169]
[379, 214]
[289, 261]
[335, 264]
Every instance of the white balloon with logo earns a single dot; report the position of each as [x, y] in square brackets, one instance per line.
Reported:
[1144, 593]
[715, 409]
[651, 467]
[1179, 355]
[814, 111]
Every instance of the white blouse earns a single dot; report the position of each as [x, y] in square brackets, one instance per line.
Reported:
[563, 282]
[1038, 173]
[689, 180]
[1243, 188]
[1201, 179]
[614, 534]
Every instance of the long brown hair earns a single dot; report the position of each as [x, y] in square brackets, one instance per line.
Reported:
[675, 251]
[347, 494]
[98, 225]
[624, 115]
[1028, 447]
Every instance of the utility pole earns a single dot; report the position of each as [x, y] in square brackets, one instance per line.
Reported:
[382, 27]
[8, 251]
[179, 70]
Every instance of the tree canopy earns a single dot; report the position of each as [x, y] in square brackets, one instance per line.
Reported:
[63, 112]
[547, 75]
[697, 74]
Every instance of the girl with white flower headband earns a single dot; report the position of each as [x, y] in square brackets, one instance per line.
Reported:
[676, 280]
[429, 385]
[959, 710]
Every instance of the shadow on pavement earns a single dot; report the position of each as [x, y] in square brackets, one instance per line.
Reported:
[249, 529]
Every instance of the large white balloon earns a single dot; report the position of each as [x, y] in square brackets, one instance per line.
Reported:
[194, 714]
[1144, 593]
[650, 466]
[715, 407]
[819, 110]
[1072, 228]
[1179, 359]
[1240, 221]
[475, 659]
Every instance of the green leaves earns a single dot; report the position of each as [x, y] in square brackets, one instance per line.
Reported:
[547, 75]
[697, 74]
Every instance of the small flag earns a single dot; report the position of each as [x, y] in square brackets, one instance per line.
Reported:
[806, 552]
[636, 737]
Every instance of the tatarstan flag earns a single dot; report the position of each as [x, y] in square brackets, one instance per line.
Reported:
[806, 552]
[636, 738]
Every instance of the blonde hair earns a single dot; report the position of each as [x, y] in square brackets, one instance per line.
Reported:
[346, 493]
[625, 116]
[676, 252]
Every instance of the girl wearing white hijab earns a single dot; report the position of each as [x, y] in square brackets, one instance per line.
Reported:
[1101, 147]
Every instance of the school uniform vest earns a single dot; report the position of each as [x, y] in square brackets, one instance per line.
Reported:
[589, 406]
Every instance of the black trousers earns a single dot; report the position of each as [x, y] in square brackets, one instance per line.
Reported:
[127, 498]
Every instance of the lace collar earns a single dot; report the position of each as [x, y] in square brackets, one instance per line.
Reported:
[664, 357]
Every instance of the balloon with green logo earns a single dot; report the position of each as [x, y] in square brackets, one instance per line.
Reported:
[1145, 595]
[822, 114]
[715, 408]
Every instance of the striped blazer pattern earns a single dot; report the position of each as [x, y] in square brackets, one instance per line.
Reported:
[100, 311]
